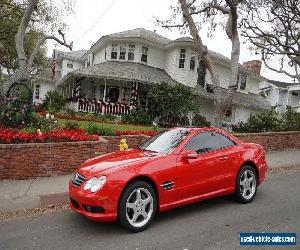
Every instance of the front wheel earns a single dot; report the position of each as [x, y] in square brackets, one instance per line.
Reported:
[137, 206]
[246, 184]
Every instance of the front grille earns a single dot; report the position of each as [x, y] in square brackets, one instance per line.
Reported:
[78, 180]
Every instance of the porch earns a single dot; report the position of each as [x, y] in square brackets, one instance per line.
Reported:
[104, 96]
[111, 87]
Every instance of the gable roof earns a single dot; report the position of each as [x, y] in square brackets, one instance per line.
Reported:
[73, 55]
[142, 33]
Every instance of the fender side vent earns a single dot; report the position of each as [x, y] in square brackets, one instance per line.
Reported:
[167, 185]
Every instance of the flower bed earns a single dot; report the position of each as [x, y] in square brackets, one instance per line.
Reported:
[86, 119]
[8, 136]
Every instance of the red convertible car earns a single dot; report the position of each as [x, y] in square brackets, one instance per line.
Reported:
[173, 168]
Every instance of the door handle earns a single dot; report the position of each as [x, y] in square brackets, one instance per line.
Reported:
[223, 158]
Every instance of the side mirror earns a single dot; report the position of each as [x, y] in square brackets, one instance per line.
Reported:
[190, 154]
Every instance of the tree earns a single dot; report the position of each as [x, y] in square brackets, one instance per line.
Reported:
[228, 8]
[38, 17]
[273, 27]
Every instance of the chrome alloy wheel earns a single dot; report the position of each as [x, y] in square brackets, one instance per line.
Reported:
[139, 207]
[248, 184]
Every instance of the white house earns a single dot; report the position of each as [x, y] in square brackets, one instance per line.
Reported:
[281, 94]
[115, 74]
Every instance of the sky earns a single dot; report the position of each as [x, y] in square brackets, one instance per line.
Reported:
[95, 18]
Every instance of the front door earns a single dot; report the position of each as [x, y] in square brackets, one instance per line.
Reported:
[211, 170]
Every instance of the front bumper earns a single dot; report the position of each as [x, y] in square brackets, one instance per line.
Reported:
[100, 206]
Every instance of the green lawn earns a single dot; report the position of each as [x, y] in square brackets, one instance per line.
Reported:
[122, 127]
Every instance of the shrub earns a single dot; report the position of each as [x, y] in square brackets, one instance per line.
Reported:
[95, 129]
[71, 125]
[54, 102]
[166, 101]
[261, 122]
[16, 107]
[290, 120]
[137, 116]
[68, 109]
[200, 121]
[40, 122]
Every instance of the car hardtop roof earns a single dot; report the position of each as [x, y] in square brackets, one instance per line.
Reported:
[192, 129]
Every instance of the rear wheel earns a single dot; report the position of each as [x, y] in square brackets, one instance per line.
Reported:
[246, 184]
[137, 206]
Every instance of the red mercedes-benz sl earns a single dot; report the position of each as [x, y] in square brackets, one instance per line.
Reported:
[173, 168]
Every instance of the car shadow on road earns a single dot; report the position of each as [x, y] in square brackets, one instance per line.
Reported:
[162, 219]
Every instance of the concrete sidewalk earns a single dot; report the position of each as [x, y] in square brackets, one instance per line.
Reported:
[25, 194]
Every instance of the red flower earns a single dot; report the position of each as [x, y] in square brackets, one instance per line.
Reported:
[13, 136]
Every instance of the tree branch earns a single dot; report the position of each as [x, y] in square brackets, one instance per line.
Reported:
[40, 42]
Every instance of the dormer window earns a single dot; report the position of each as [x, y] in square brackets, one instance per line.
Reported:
[70, 65]
[192, 63]
[131, 52]
[182, 58]
[114, 51]
[144, 57]
[122, 52]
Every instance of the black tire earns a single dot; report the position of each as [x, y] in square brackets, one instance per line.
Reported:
[239, 188]
[122, 209]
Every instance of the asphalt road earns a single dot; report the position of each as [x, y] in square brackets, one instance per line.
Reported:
[213, 224]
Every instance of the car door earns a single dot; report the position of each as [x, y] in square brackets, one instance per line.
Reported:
[195, 173]
[207, 172]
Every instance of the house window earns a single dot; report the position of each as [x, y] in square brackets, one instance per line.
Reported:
[70, 65]
[122, 52]
[192, 63]
[144, 57]
[37, 91]
[131, 52]
[243, 82]
[114, 51]
[182, 58]
[295, 94]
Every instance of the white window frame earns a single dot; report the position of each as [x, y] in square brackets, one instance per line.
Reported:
[70, 64]
[131, 50]
[193, 58]
[122, 53]
[182, 57]
[145, 51]
[114, 49]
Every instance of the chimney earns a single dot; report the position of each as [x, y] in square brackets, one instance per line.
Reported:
[254, 66]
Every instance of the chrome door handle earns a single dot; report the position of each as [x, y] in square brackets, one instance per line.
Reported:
[223, 158]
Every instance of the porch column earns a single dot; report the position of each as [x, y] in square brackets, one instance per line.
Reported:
[134, 94]
[104, 94]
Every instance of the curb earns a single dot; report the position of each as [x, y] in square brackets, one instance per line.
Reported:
[54, 199]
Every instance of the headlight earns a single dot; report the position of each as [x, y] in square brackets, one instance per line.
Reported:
[94, 184]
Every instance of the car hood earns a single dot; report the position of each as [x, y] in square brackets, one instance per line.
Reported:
[114, 161]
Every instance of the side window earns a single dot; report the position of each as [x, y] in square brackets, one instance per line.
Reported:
[204, 142]
[225, 141]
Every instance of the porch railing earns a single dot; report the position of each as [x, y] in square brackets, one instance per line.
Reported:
[101, 107]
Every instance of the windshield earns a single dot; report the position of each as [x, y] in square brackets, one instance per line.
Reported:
[165, 141]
